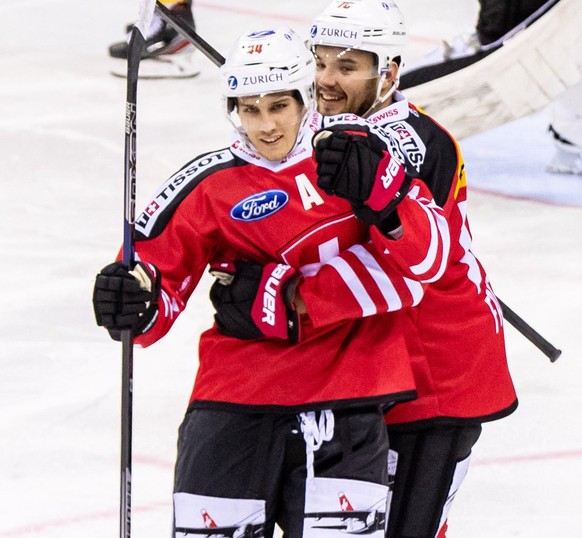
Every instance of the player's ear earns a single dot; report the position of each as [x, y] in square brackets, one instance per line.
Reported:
[391, 75]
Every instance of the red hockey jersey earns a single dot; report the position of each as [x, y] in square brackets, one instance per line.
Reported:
[460, 367]
[233, 204]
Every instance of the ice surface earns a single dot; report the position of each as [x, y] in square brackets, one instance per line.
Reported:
[61, 167]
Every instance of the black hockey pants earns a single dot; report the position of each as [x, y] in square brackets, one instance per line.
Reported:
[431, 464]
[245, 473]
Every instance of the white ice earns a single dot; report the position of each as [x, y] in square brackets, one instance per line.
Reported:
[61, 166]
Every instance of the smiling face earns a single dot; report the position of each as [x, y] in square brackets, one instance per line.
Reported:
[271, 121]
[346, 80]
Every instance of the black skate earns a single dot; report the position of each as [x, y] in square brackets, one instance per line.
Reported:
[166, 55]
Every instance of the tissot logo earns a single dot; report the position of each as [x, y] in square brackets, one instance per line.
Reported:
[232, 83]
[259, 206]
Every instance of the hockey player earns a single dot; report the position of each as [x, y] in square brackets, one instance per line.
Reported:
[461, 368]
[276, 431]
[495, 19]
[167, 53]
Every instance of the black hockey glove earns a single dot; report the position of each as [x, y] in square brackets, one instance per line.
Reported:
[356, 164]
[252, 301]
[125, 299]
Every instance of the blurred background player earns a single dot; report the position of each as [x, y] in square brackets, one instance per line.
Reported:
[495, 19]
[167, 54]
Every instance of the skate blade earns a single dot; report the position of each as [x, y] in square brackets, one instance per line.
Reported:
[175, 66]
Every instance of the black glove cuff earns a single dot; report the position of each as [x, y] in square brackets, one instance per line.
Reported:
[293, 325]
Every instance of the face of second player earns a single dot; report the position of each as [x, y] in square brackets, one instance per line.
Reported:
[345, 80]
[271, 121]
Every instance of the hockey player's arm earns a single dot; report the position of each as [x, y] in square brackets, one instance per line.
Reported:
[253, 301]
[149, 299]
[385, 274]
[181, 258]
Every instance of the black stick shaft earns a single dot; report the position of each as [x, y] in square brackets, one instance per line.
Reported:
[531, 334]
[135, 50]
[189, 34]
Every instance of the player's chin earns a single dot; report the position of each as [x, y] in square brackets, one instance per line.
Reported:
[275, 151]
[329, 107]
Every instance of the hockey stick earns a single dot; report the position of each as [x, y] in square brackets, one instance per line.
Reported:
[135, 49]
[532, 335]
[189, 34]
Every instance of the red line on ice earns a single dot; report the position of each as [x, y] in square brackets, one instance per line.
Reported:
[74, 520]
[147, 460]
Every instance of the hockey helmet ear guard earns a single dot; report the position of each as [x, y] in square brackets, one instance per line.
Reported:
[374, 26]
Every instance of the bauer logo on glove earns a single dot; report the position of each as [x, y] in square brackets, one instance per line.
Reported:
[255, 301]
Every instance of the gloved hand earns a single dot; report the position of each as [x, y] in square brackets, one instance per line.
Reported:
[354, 163]
[252, 301]
[124, 299]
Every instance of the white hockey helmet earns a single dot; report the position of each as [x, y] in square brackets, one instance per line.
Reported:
[375, 26]
[269, 61]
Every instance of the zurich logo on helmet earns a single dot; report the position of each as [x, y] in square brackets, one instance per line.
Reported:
[262, 33]
[385, 5]
[260, 205]
[232, 82]
[314, 30]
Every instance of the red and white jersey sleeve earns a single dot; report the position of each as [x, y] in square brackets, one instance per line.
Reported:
[383, 275]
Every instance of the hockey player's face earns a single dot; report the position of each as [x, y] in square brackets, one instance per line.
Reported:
[271, 122]
[345, 80]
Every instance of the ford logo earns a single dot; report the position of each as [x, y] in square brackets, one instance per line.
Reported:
[259, 206]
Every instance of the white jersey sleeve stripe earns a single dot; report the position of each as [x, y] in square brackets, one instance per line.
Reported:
[355, 286]
[431, 254]
[445, 234]
[380, 277]
[439, 233]
[416, 290]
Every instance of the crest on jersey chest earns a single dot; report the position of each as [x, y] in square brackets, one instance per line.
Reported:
[260, 205]
[410, 141]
